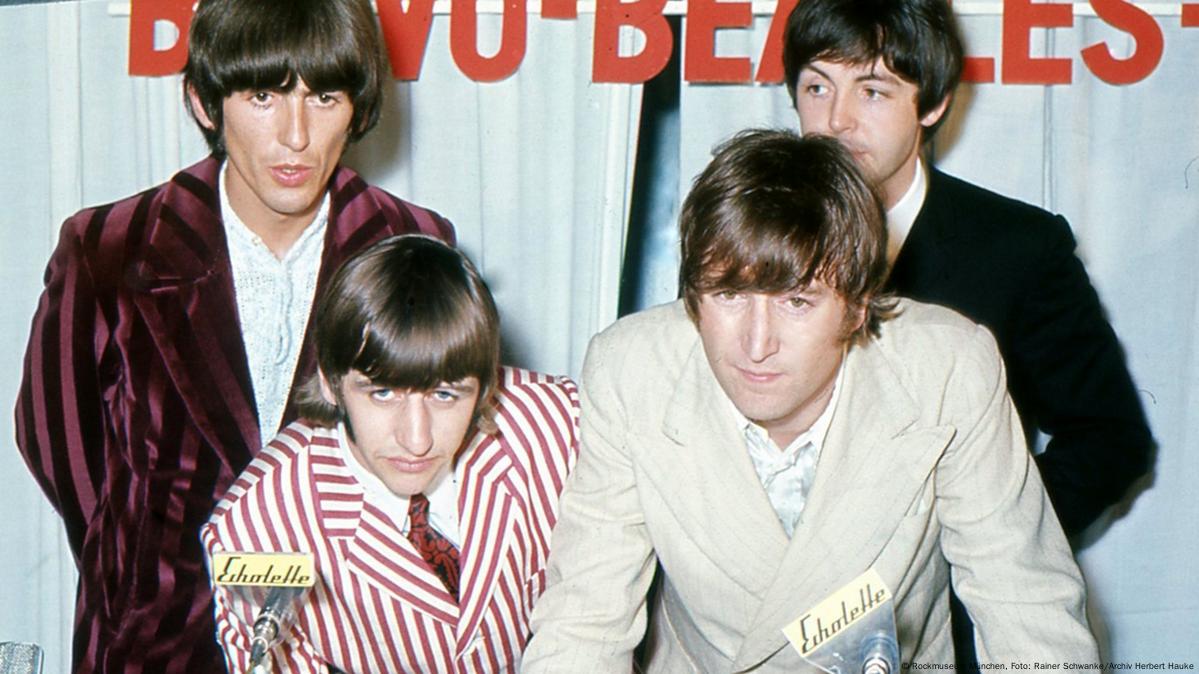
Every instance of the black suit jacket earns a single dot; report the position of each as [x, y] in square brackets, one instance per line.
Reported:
[1011, 267]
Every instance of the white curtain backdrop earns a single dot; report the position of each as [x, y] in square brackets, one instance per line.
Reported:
[1121, 163]
[534, 171]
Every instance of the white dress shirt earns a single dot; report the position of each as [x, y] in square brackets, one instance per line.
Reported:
[903, 214]
[787, 474]
[274, 299]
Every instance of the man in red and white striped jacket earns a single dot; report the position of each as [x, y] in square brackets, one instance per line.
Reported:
[423, 480]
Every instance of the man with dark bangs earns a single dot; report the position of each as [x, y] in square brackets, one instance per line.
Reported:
[786, 427]
[880, 75]
[173, 323]
[423, 479]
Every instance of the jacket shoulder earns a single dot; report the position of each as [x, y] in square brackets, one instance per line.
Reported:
[930, 342]
[353, 197]
[663, 335]
[538, 414]
[980, 215]
[286, 454]
[106, 236]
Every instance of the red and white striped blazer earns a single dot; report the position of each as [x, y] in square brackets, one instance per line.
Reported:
[377, 607]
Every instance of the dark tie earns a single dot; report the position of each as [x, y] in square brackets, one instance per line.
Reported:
[438, 552]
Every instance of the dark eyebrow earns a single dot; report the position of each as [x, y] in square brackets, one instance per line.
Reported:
[459, 386]
[872, 76]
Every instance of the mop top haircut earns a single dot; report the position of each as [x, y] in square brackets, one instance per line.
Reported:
[774, 212]
[270, 45]
[410, 313]
[918, 40]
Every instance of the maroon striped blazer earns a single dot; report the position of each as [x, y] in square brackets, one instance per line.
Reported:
[377, 606]
[136, 411]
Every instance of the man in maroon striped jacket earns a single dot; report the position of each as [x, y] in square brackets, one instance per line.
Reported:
[173, 323]
[423, 479]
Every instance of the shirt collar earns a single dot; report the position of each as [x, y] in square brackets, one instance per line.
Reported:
[903, 214]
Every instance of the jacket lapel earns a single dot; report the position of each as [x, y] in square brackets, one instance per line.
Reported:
[874, 463]
[183, 287]
[487, 516]
[704, 474]
[926, 259]
[376, 552]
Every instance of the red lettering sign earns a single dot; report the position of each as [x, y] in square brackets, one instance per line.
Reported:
[1019, 18]
[770, 63]
[607, 64]
[406, 35]
[464, 41]
[700, 62]
[144, 59]
[1136, 22]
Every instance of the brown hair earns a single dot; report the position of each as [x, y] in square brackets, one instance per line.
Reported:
[773, 212]
[410, 312]
[270, 45]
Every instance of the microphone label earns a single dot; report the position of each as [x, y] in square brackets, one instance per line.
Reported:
[264, 569]
[846, 607]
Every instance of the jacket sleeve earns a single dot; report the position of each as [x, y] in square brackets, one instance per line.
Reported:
[593, 612]
[1069, 375]
[60, 415]
[1012, 567]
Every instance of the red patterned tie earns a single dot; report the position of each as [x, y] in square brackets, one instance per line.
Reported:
[439, 553]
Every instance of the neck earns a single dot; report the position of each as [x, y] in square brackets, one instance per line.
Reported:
[898, 185]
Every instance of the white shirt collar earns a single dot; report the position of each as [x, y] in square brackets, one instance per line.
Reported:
[903, 214]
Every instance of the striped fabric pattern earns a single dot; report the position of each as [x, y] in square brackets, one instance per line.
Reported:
[377, 606]
[135, 412]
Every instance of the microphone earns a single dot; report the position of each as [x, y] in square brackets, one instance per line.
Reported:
[278, 610]
[880, 653]
[20, 658]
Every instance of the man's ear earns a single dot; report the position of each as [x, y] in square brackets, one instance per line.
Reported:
[855, 317]
[934, 115]
[326, 389]
[200, 113]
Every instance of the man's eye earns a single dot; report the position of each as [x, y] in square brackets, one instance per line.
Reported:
[797, 302]
[816, 89]
[262, 96]
[445, 395]
[383, 394]
[326, 99]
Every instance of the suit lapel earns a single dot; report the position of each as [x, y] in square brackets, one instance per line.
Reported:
[487, 513]
[376, 552]
[704, 474]
[183, 287]
[926, 259]
[874, 462]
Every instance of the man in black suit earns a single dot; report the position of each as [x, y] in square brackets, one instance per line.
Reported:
[879, 76]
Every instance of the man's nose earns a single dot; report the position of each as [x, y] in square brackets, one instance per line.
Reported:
[760, 336]
[842, 114]
[295, 123]
[414, 426]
